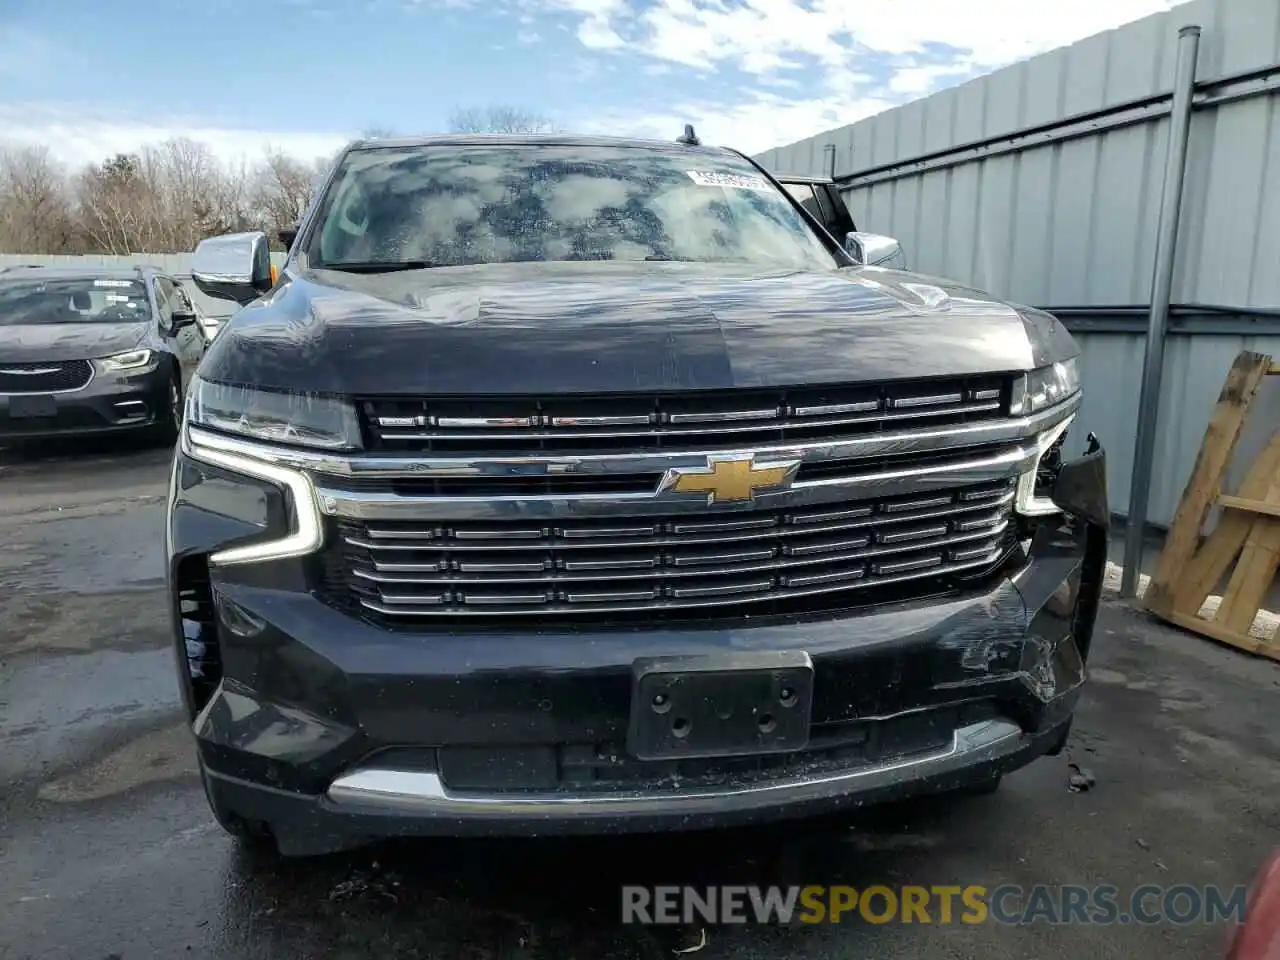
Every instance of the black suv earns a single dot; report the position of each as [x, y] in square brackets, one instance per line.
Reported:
[93, 349]
[570, 484]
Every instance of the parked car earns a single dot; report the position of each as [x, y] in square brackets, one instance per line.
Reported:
[575, 484]
[91, 349]
[821, 198]
[207, 324]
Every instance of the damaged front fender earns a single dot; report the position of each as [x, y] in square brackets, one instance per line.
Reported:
[1080, 488]
[1062, 589]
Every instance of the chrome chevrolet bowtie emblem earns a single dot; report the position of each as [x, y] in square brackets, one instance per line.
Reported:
[730, 479]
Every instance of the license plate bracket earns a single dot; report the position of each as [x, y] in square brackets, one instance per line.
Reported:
[32, 406]
[720, 705]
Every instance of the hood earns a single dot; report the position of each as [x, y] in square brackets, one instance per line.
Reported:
[35, 342]
[607, 327]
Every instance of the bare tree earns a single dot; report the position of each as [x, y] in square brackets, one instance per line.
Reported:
[115, 206]
[283, 187]
[499, 119]
[163, 198]
[35, 209]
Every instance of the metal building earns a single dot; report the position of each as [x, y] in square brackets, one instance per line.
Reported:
[1042, 183]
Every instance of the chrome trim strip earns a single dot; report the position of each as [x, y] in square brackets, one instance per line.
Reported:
[835, 409]
[790, 560]
[536, 465]
[706, 424]
[424, 793]
[786, 591]
[673, 534]
[622, 420]
[725, 416]
[936, 400]
[474, 423]
[362, 505]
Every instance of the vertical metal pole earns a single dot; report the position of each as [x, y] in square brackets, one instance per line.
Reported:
[829, 152]
[1161, 288]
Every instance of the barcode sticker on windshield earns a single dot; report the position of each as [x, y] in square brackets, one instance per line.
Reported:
[117, 298]
[707, 178]
[113, 283]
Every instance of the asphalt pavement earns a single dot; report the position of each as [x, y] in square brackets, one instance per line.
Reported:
[108, 852]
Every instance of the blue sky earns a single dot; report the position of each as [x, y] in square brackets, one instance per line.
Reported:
[89, 77]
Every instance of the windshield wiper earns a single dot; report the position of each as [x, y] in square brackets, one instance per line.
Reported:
[377, 266]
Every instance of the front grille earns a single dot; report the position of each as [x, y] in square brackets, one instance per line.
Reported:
[677, 421]
[598, 568]
[52, 377]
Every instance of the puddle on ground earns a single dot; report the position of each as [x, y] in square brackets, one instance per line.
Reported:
[97, 554]
[154, 757]
[54, 710]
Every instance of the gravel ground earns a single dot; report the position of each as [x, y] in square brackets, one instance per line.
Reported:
[107, 851]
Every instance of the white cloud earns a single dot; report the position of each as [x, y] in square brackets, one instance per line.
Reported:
[811, 65]
[913, 46]
[78, 135]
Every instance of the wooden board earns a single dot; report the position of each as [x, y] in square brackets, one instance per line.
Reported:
[1205, 483]
[1246, 540]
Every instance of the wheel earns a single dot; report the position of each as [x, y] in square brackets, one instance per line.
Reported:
[165, 432]
[254, 838]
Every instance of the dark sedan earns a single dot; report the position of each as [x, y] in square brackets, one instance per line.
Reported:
[93, 350]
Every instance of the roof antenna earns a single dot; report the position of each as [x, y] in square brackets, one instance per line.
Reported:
[689, 137]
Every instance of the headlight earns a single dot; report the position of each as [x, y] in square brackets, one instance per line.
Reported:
[1046, 386]
[293, 418]
[1026, 502]
[132, 360]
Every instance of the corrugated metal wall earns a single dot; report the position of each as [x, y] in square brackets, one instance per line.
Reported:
[175, 264]
[983, 183]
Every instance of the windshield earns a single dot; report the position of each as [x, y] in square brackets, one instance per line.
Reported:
[456, 204]
[72, 300]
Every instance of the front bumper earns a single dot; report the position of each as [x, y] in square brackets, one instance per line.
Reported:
[109, 403]
[334, 731]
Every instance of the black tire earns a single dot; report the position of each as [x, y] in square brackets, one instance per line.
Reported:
[253, 838]
[165, 433]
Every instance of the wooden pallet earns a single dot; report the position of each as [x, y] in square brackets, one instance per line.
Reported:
[1246, 539]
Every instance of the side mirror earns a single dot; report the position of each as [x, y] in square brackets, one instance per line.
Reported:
[235, 267]
[180, 319]
[287, 235]
[874, 250]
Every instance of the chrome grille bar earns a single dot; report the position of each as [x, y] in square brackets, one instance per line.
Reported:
[734, 422]
[795, 523]
[342, 466]
[673, 420]
[782, 554]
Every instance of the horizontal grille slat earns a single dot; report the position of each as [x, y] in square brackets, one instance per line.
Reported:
[677, 420]
[669, 563]
[795, 523]
[672, 568]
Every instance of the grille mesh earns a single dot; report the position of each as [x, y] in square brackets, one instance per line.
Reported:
[51, 377]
